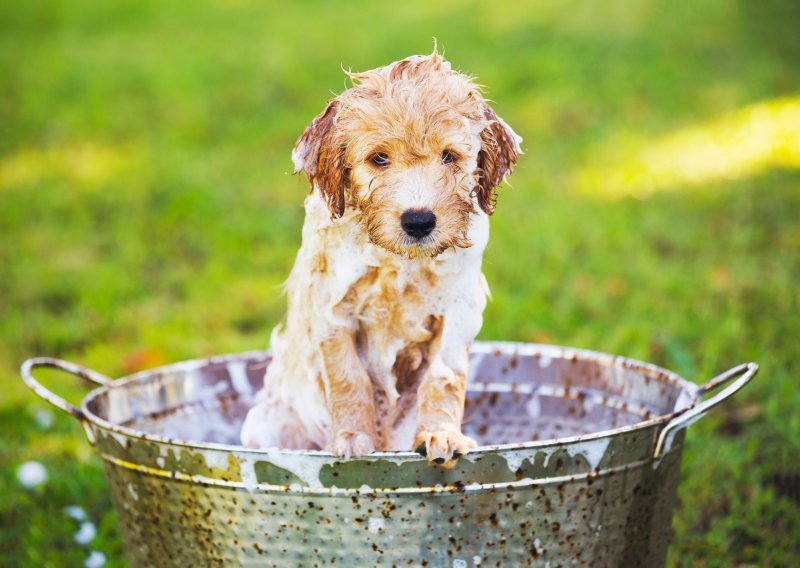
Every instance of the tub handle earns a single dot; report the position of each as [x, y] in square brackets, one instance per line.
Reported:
[745, 372]
[82, 372]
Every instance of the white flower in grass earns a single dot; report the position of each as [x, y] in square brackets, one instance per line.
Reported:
[31, 474]
[86, 533]
[95, 560]
[75, 513]
[44, 418]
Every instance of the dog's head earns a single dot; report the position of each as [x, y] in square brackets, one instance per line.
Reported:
[414, 148]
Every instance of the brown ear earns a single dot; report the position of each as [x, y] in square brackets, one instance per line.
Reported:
[321, 157]
[496, 158]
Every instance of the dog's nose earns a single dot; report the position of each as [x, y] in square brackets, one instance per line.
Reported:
[418, 222]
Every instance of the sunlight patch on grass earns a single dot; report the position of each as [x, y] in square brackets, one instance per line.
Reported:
[741, 144]
[84, 165]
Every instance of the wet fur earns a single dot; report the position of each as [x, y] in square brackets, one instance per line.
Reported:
[374, 351]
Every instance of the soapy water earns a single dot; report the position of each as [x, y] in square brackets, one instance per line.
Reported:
[216, 423]
[490, 417]
[522, 396]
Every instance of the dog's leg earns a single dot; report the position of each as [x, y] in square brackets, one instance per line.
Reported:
[350, 400]
[440, 409]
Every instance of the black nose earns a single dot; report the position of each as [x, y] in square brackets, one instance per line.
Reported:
[418, 222]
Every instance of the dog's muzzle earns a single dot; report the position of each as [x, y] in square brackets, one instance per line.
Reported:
[418, 223]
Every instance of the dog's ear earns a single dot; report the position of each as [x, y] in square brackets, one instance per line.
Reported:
[496, 158]
[318, 154]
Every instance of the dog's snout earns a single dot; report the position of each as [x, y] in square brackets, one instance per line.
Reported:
[418, 222]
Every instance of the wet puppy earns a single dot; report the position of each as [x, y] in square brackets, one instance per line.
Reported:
[386, 294]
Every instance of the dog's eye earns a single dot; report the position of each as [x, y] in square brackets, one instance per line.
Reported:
[380, 159]
[448, 157]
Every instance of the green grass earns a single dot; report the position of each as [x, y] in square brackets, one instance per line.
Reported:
[147, 214]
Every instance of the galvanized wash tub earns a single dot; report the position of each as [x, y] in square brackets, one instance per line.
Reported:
[578, 464]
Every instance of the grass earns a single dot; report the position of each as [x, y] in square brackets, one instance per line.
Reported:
[644, 219]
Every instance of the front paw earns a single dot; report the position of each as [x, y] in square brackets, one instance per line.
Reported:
[443, 447]
[352, 444]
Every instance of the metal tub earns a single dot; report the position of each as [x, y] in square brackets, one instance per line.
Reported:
[578, 464]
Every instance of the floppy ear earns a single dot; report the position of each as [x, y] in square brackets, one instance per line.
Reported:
[321, 157]
[496, 158]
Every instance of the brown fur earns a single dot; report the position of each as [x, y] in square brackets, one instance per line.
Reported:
[496, 159]
[326, 168]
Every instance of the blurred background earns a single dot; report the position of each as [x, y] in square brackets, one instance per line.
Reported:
[148, 214]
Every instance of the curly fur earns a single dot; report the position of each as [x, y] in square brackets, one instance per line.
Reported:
[373, 354]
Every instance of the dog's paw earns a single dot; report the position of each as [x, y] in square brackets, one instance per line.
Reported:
[352, 444]
[443, 447]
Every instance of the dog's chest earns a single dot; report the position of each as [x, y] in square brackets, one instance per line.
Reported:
[396, 302]
[399, 323]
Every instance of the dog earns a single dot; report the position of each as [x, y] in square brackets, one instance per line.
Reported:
[386, 293]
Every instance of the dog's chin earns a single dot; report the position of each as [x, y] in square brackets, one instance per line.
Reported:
[411, 248]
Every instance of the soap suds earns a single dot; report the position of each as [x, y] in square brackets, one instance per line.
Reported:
[514, 459]
[305, 467]
[247, 471]
[217, 459]
[238, 373]
[533, 407]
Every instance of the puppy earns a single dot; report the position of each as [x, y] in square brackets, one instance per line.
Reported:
[386, 294]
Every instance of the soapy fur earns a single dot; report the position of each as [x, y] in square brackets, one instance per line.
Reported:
[374, 350]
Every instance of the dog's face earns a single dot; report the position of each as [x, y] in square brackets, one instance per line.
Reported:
[413, 148]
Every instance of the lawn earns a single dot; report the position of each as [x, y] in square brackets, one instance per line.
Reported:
[148, 214]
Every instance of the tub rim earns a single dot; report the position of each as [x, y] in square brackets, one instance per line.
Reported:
[478, 347]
